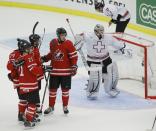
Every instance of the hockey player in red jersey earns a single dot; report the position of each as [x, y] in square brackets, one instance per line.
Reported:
[63, 57]
[28, 88]
[35, 41]
[14, 62]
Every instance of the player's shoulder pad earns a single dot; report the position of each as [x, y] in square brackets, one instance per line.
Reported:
[69, 42]
[53, 41]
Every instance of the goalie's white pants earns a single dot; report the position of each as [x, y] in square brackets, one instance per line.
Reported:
[111, 80]
[94, 82]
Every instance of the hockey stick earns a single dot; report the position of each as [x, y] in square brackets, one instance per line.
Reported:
[42, 38]
[46, 78]
[45, 89]
[81, 52]
[33, 31]
[152, 125]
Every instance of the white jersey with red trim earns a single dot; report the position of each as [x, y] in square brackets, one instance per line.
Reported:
[113, 11]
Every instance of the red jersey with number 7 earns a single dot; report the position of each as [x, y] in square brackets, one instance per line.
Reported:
[28, 74]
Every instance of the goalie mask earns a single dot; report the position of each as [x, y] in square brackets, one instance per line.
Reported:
[99, 30]
[61, 34]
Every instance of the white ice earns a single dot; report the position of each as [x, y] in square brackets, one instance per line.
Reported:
[127, 112]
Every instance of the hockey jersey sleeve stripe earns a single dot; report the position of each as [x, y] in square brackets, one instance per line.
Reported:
[16, 85]
[32, 65]
[41, 77]
[31, 68]
[75, 52]
[12, 60]
[15, 80]
[21, 104]
[73, 56]
[30, 88]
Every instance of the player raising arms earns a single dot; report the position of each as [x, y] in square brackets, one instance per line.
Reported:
[36, 42]
[97, 44]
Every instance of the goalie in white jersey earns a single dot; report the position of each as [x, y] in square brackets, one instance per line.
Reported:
[119, 15]
[98, 55]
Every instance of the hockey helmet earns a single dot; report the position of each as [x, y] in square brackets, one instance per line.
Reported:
[99, 6]
[60, 31]
[35, 40]
[23, 45]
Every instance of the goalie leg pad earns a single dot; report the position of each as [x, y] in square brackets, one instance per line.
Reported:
[111, 80]
[94, 83]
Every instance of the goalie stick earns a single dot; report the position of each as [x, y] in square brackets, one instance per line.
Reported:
[81, 52]
[152, 125]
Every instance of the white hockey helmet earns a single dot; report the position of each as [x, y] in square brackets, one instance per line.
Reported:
[99, 30]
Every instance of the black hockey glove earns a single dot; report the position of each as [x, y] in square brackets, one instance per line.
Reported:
[18, 63]
[47, 68]
[74, 70]
[10, 77]
[114, 21]
[43, 59]
[119, 17]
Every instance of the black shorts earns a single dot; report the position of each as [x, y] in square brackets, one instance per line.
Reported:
[105, 63]
[56, 81]
[31, 97]
[121, 25]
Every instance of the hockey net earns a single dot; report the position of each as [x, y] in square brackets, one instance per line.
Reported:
[137, 71]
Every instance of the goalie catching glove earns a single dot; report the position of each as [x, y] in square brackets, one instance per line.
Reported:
[74, 70]
[125, 52]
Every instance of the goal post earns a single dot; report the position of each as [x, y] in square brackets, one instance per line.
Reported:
[143, 56]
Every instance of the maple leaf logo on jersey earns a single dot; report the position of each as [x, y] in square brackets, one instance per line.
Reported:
[58, 55]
